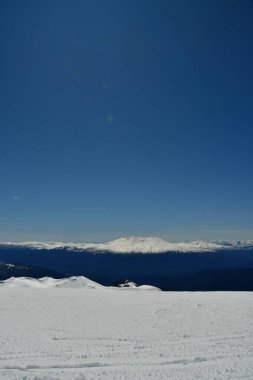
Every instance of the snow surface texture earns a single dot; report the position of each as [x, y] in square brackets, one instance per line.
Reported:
[141, 245]
[65, 333]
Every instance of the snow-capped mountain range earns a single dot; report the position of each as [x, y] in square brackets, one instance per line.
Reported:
[135, 244]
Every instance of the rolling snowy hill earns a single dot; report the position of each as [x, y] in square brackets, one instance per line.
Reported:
[77, 282]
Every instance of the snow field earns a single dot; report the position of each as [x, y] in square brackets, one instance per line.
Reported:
[81, 333]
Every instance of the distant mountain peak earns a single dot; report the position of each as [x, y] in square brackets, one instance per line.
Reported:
[136, 244]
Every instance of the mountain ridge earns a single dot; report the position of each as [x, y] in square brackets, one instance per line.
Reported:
[136, 244]
[8, 270]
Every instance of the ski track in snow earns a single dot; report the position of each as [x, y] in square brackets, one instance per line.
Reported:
[64, 333]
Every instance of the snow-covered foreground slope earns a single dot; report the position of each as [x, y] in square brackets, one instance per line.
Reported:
[66, 333]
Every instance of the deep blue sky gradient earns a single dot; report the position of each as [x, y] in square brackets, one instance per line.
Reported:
[126, 118]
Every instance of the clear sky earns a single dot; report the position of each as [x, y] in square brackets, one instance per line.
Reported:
[126, 118]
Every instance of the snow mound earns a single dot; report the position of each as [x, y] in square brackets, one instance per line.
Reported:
[127, 284]
[49, 282]
[132, 285]
[78, 282]
[148, 287]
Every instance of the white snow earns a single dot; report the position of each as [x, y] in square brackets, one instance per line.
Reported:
[49, 282]
[69, 282]
[80, 333]
[140, 244]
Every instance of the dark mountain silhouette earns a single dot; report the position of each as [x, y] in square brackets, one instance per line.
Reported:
[19, 270]
[220, 270]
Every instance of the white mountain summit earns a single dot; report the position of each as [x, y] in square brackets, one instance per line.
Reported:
[135, 244]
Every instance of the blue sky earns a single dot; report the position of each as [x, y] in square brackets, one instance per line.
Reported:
[126, 118]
